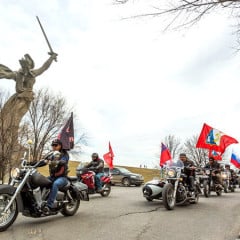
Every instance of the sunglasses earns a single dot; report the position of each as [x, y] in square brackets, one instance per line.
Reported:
[54, 145]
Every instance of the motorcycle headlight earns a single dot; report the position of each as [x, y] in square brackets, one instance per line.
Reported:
[207, 172]
[171, 173]
[224, 175]
[15, 173]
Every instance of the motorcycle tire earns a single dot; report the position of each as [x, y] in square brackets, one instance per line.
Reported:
[225, 188]
[69, 209]
[219, 193]
[11, 214]
[149, 199]
[206, 189]
[106, 190]
[167, 194]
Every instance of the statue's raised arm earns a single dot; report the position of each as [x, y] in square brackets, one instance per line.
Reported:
[25, 76]
[46, 65]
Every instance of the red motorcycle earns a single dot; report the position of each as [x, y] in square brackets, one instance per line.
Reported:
[87, 177]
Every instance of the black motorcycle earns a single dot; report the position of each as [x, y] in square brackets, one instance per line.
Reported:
[210, 184]
[176, 190]
[28, 193]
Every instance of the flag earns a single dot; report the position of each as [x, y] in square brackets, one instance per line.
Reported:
[213, 139]
[165, 155]
[108, 157]
[66, 136]
[235, 160]
[215, 155]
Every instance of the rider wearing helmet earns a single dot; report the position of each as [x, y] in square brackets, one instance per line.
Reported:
[58, 169]
[233, 174]
[97, 165]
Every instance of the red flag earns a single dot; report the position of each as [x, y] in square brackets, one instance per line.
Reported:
[165, 154]
[213, 139]
[108, 157]
[66, 136]
[215, 155]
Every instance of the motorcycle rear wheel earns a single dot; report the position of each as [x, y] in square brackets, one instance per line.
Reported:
[69, 209]
[7, 219]
[167, 194]
[106, 190]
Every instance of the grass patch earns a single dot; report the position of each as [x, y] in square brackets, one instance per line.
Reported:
[147, 173]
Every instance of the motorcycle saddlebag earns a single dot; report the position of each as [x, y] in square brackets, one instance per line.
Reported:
[83, 190]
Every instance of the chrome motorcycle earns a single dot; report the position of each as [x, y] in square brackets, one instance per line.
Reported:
[210, 184]
[28, 193]
[176, 190]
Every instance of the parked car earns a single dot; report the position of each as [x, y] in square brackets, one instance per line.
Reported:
[123, 176]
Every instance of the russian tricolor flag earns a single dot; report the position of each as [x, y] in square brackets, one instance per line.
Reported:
[235, 160]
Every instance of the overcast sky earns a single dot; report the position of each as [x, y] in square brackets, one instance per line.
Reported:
[129, 82]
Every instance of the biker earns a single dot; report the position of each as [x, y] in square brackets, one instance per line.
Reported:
[212, 164]
[58, 169]
[233, 174]
[97, 165]
[189, 170]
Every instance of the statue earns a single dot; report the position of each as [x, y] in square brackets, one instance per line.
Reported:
[25, 76]
[17, 105]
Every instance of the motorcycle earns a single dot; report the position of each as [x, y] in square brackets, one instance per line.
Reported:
[176, 190]
[230, 180]
[86, 176]
[226, 179]
[153, 189]
[209, 185]
[28, 192]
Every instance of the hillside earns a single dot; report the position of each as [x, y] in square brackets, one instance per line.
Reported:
[147, 173]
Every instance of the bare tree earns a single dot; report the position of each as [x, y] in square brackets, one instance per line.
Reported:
[198, 155]
[47, 114]
[173, 144]
[180, 13]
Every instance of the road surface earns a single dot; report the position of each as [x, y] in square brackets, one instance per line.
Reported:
[126, 215]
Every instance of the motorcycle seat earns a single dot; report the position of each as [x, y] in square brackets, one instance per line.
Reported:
[72, 178]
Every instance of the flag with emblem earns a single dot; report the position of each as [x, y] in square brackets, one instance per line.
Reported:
[213, 139]
[66, 136]
[215, 155]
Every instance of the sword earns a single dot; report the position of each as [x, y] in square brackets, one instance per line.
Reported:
[45, 36]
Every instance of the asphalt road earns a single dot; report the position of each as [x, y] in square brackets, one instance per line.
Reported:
[126, 215]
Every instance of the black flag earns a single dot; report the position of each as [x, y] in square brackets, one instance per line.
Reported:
[66, 136]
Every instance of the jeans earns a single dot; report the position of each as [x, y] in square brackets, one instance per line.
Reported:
[190, 181]
[57, 183]
[98, 180]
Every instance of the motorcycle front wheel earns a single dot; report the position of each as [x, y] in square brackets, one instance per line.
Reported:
[106, 190]
[167, 194]
[70, 208]
[7, 219]
[206, 189]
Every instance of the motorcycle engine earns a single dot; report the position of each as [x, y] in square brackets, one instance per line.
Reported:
[181, 193]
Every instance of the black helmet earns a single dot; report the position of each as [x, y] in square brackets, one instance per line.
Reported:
[56, 142]
[95, 155]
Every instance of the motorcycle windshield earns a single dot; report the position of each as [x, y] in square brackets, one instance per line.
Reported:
[174, 164]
